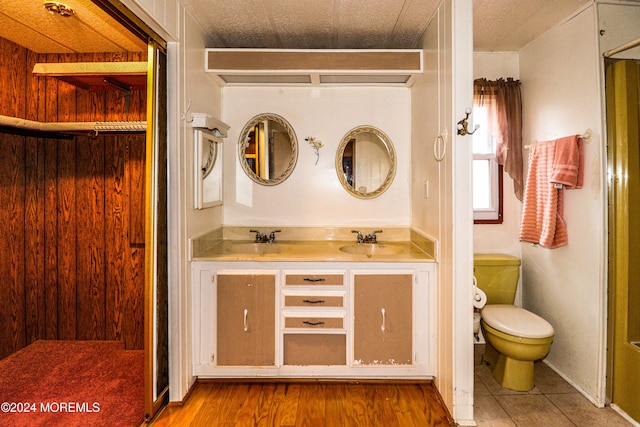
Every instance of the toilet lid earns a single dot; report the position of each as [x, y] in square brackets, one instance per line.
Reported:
[516, 321]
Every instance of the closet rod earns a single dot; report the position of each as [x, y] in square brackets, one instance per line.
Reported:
[90, 127]
[626, 46]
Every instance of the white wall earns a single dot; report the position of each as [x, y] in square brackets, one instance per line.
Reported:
[312, 195]
[496, 65]
[439, 98]
[619, 25]
[560, 74]
[499, 238]
[190, 85]
[201, 94]
[186, 81]
[430, 117]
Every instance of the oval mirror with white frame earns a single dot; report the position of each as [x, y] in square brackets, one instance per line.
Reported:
[366, 162]
[208, 169]
[268, 149]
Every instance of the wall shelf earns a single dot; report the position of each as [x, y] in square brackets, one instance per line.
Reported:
[398, 67]
[123, 76]
[205, 121]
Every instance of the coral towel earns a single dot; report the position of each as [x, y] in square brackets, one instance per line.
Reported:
[567, 162]
[550, 163]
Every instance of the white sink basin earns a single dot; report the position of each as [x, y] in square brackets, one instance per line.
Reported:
[255, 248]
[371, 249]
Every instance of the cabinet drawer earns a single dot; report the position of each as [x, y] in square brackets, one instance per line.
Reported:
[314, 322]
[315, 349]
[314, 279]
[313, 301]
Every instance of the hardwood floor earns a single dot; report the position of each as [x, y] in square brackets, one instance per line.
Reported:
[313, 404]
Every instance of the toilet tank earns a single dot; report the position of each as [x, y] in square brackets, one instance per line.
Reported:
[497, 275]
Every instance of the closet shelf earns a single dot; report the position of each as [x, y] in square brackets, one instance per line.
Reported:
[123, 76]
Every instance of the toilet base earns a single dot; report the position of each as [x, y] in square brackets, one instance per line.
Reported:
[510, 373]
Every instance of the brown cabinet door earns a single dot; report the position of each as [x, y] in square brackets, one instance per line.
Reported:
[246, 320]
[383, 319]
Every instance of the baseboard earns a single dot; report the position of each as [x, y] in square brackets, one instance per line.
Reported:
[186, 396]
[574, 385]
[624, 415]
[316, 380]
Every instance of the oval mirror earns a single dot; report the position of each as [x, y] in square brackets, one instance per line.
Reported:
[366, 162]
[268, 149]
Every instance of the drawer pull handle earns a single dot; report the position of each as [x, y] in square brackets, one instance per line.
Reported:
[314, 279]
[310, 323]
[384, 320]
[315, 301]
[246, 324]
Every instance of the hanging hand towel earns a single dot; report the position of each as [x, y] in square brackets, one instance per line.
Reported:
[568, 162]
[542, 210]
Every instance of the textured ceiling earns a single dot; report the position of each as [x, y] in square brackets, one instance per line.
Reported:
[508, 25]
[314, 24]
[499, 25]
[28, 24]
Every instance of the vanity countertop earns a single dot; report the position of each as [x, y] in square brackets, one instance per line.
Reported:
[315, 251]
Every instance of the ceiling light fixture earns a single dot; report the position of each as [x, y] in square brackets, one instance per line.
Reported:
[54, 7]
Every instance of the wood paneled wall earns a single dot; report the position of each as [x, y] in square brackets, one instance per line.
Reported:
[71, 211]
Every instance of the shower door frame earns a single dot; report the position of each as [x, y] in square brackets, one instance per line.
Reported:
[623, 164]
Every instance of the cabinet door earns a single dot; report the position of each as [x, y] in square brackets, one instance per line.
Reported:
[246, 320]
[383, 319]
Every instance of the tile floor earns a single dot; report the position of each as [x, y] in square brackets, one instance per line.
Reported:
[552, 402]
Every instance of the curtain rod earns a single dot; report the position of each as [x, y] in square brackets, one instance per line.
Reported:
[622, 48]
[90, 127]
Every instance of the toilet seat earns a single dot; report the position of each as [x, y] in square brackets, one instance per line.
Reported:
[517, 321]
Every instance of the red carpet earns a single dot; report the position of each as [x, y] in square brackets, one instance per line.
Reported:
[72, 383]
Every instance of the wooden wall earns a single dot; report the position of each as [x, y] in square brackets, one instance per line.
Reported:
[71, 211]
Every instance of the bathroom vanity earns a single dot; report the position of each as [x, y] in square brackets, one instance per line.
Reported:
[295, 302]
[333, 309]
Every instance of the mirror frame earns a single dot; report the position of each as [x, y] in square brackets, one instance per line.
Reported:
[386, 141]
[243, 144]
[204, 138]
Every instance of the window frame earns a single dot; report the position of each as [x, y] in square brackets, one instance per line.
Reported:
[493, 215]
[500, 217]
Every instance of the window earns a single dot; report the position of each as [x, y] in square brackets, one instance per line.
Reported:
[486, 173]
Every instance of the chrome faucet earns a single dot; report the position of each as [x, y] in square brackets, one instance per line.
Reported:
[272, 236]
[264, 238]
[260, 237]
[372, 238]
[369, 238]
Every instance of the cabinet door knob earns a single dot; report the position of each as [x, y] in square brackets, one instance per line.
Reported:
[246, 324]
[384, 320]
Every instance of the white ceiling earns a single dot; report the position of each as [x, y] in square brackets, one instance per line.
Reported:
[499, 25]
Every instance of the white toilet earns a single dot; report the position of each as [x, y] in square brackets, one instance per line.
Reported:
[515, 337]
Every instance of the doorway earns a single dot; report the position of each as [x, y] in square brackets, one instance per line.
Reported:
[86, 212]
[623, 117]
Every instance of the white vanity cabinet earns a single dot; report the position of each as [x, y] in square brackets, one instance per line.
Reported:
[313, 319]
